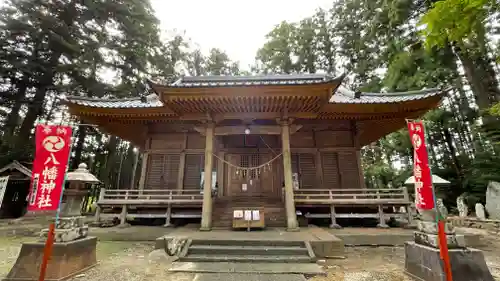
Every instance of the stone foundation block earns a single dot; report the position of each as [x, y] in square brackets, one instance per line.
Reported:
[66, 235]
[327, 248]
[432, 240]
[423, 263]
[431, 227]
[67, 260]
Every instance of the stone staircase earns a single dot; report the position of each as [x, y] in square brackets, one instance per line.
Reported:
[248, 256]
[274, 209]
[248, 251]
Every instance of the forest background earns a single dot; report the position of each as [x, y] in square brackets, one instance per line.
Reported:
[50, 49]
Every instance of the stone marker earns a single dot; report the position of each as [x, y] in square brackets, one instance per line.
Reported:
[463, 210]
[493, 200]
[480, 214]
[73, 252]
[422, 256]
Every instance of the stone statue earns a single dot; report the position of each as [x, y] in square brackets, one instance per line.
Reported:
[493, 200]
[441, 208]
[480, 211]
[463, 210]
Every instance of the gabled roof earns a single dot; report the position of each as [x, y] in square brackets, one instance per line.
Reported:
[257, 80]
[341, 96]
[308, 96]
[15, 165]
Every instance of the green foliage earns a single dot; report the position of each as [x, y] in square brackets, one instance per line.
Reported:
[379, 43]
[456, 21]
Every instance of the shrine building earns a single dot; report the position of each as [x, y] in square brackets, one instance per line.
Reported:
[287, 146]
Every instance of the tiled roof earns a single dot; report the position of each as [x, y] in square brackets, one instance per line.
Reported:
[343, 95]
[258, 80]
[146, 102]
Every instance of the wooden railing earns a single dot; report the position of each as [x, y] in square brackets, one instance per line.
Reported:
[352, 196]
[148, 196]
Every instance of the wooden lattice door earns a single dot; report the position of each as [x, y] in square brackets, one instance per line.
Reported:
[252, 182]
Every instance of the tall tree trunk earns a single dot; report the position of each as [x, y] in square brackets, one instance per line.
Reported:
[82, 134]
[481, 77]
[110, 161]
[35, 109]
[13, 118]
[453, 153]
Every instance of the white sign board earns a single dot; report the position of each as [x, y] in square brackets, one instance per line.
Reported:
[238, 214]
[255, 215]
[248, 215]
[3, 188]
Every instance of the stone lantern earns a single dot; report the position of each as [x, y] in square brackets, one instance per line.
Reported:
[423, 259]
[79, 181]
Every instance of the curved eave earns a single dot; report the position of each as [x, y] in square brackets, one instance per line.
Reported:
[371, 130]
[135, 132]
[119, 111]
[379, 105]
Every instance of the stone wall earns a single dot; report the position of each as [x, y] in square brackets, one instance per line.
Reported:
[492, 226]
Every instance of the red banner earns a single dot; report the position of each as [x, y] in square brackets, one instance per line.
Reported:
[53, 145]
[424, 197]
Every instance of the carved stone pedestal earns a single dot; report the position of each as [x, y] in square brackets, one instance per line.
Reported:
[72, 253]
[67, 229]
[68, 259]
[423, 263]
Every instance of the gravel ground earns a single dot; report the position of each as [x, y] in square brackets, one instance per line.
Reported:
[134, 261]
[387, 263]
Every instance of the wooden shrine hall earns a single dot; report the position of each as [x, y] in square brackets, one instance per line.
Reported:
[286, 146]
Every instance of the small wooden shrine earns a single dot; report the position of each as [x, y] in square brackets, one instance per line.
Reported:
[285, 144]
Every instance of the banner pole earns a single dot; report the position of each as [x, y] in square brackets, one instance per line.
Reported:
[49, 243]
[443, 242]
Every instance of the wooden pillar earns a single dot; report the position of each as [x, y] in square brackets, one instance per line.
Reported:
[123, 215]
[206, 213]
[220, 174]
[134, 170]
[291, 216]
[168, 215]
[182, 166]
[144, 169]
[381, 217]
[180, 175]
[319, 170]
[360, 169]
[357, 145]
[333, 218]
[98, 208]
